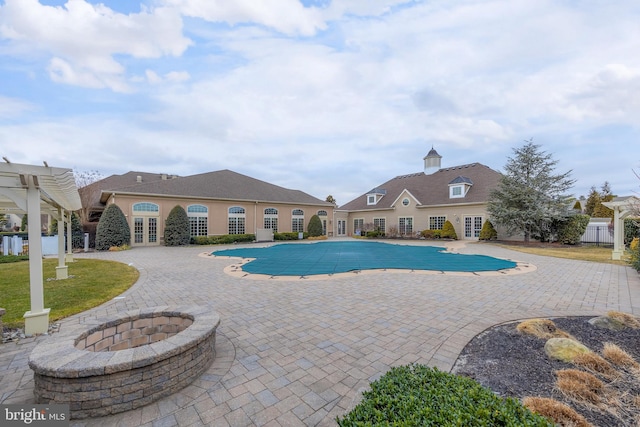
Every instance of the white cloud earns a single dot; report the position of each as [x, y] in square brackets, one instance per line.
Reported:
[13, 107]
[286, 16]
[83, 39]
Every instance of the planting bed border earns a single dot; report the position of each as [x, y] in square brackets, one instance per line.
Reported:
[99, 380]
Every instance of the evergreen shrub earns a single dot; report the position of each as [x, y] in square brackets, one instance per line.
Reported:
[223, 239]
[634, 250]
[113, 229]
[488, 232]
[571, 230]
[430, 234]
[289, 236]
[631, 229]
[315, 226]
[417, 395]
[176, 228]
[448, 232]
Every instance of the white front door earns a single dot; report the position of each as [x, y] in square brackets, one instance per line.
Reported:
[342, 227]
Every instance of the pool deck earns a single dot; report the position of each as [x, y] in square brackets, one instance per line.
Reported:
[299, 352]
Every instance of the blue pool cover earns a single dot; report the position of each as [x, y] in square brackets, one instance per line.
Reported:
[294, 259]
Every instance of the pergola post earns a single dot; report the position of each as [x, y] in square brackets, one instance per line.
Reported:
[618, 235]
[62, 271]
[36, 321]
[69, 238]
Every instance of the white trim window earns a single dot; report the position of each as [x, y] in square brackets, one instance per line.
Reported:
[405, 225]
[437, 222]
[237, 220]
[198, 219]
[297, 221]
[358, 226]
[380, 224]
[271, 219]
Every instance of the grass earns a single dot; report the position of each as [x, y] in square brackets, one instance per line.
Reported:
[579, 252]
[90, 283]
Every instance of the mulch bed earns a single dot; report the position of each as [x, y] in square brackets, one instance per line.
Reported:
[514, 364]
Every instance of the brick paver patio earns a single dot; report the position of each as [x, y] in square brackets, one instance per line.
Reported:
[298, 353]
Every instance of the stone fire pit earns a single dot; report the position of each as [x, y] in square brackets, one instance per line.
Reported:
[126, 361]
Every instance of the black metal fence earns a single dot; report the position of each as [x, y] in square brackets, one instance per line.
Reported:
[600, 235]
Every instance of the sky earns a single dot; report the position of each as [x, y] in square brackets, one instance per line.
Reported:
[327, 97]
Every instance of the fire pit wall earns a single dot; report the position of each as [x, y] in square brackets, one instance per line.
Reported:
[125, 362]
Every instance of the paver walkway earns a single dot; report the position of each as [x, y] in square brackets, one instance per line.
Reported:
[298, 353]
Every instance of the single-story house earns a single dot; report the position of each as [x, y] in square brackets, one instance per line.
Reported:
[408, 204]
[217, 203]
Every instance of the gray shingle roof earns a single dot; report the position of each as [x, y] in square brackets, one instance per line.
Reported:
[433, 189]
[223, 184]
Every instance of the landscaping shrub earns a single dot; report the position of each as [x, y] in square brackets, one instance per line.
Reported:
[571, 230]
[634, 251]
[315, 226]
[288, 236]
[631, 229]
[417, 395]
[430, 234]
[374, 234]
[488, 232]
[176, 229]
[223, 239]
[448, 232]
[113, 229]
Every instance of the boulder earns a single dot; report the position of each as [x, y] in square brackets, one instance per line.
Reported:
[564, 349]
[607, 323]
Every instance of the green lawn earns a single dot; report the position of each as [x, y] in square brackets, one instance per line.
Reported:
[90, 283]
[580, 252]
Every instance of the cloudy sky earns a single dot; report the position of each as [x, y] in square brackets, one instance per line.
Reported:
[328, 97]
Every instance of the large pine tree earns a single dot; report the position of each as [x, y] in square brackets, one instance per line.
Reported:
[530, 196]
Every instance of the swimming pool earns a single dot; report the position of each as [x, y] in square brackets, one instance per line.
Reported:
[305, 259]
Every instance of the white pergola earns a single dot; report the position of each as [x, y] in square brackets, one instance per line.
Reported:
[35, 190]
[622, 208]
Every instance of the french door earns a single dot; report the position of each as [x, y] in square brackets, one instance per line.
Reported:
[472, 226]
[145, 231]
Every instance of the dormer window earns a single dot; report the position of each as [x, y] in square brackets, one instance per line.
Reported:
[459, 187]
[374, 196]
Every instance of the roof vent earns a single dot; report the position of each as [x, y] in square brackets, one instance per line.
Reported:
[139, 178]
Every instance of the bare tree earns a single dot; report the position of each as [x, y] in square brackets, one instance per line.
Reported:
[89, 192]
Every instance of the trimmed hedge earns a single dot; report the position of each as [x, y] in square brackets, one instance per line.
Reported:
[417, 395]
[113, 229]
[176, 228]
[289, 236]
[448, 232]
[488, 232]
[431, 234]
[315, 226]
[223, 239]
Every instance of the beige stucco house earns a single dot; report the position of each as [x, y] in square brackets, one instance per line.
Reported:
[408, 204]
[217, 203]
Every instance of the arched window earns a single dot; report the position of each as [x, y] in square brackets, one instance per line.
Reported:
[271, 219]
[145, 207]
[322, 214]
[297, 220]
[198, 219]
[236, 220]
